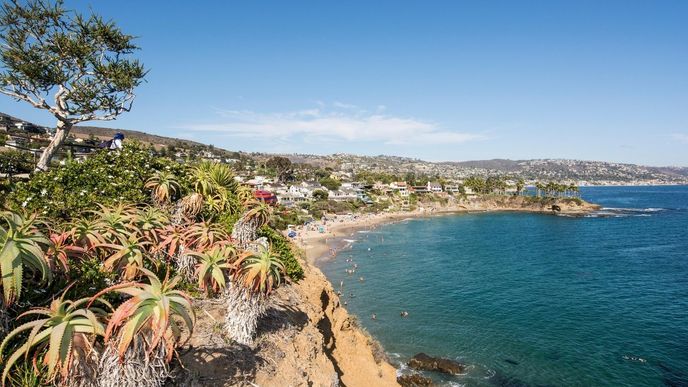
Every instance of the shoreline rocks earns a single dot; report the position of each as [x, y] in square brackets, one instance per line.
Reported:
[414, 380]
[424, 362]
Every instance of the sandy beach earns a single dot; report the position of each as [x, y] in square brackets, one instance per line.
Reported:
[318, 238]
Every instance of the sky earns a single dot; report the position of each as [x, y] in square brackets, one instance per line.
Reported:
[435, 80]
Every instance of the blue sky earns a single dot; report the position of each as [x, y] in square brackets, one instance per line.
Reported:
[437, 80]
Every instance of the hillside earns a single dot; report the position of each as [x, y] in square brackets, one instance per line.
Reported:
[584, 172]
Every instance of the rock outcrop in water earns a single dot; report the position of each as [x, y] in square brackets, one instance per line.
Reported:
[414, 380]
[424, 362]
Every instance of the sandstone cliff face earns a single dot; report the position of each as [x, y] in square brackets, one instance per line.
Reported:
[307, 339]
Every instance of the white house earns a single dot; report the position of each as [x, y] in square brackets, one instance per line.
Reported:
[434, 187]
[343, 194]
[400, 186]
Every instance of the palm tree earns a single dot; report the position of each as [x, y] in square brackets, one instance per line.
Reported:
[144, 331]
[245, 229]
[257, 275]
[574, 189]
[68, 331]
[520, 184]
[164, 187]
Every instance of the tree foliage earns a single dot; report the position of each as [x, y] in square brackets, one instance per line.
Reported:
[330, 183]
[104, 178]
[74, 66]
[14, 162]
[281, 166]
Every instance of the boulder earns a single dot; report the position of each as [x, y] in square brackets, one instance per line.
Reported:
[424, 362]
[414, 380]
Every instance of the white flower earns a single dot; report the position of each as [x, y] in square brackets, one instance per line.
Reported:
[44, 192]
[24, 204]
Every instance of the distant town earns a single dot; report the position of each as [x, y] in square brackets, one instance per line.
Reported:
[294, 179]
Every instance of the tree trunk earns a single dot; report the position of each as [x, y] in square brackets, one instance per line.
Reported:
[61, 133]
[244, 309]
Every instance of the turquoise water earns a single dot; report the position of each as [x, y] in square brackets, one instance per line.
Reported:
[527, 299]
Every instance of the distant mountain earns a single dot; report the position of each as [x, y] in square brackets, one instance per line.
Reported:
[592, 172]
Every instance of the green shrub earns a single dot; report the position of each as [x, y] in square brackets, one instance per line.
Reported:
[283, 217]
[103, 178]
[283, 248]
[14, 162]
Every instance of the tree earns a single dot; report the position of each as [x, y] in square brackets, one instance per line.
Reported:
[320, 194]
[82, 62]
[520, 184]
[281, 166]
[330, 183]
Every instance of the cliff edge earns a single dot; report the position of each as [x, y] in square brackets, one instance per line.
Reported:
[307, 339]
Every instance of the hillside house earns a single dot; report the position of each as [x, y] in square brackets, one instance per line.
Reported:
[452, 188]
[434, 187]
[343, 194]
[401, 187]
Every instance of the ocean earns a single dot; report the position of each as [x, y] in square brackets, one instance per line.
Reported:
[529, 299]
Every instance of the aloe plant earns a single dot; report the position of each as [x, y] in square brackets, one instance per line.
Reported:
[21, 247]
[204, 234]
[144, 331]
[128, 256]
[245, 229]
[64, 334]
[114, 222]
[213, 266]
[61, 249]
[86, 232]
[148, 222]
[256, 275]
[164, 186]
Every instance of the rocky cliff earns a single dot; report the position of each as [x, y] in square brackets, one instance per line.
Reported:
[307, 339]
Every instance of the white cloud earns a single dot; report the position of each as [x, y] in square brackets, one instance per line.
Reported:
[680, 137]
[341, 122]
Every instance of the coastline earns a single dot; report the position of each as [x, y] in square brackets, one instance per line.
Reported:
[316, 244]
[308, 337]
[353, 352]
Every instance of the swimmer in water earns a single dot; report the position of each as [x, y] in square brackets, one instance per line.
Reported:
[374, 317]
